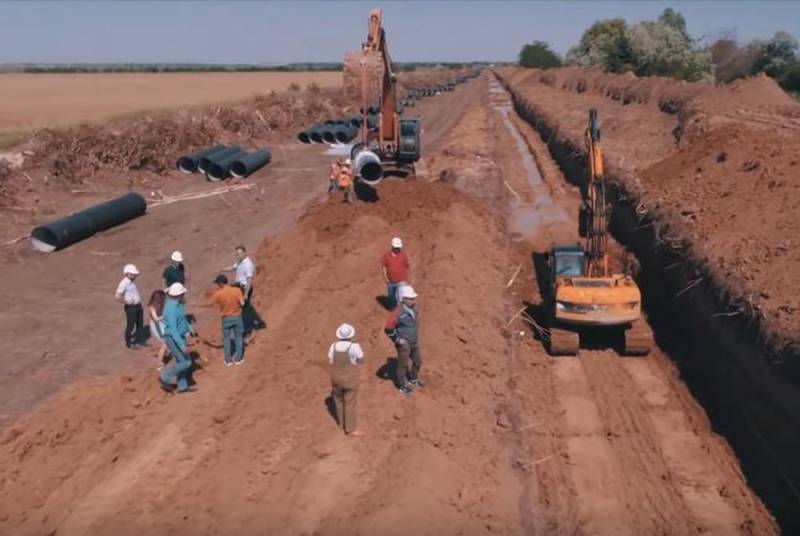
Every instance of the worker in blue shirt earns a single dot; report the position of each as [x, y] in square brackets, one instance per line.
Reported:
[176, 328]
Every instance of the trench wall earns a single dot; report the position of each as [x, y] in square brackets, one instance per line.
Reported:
[745, 379]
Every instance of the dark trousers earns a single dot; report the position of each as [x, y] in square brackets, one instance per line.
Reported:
[134, 318]
[408, 354]
[250, 317]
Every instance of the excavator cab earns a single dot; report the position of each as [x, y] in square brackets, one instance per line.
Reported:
[409, 143]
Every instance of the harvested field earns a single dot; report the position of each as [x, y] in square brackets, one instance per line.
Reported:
[32, 101]
[503, 439]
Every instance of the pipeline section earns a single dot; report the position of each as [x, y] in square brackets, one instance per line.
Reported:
[81, 225]
[217, 162]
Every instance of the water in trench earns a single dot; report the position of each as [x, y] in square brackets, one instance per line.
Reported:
[527, 215]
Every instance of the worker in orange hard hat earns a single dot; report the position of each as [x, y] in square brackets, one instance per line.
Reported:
[345, 182]
[336, 168]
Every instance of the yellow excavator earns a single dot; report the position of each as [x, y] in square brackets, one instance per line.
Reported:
[584, 293]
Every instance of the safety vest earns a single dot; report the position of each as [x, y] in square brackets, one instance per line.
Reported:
[345, 178]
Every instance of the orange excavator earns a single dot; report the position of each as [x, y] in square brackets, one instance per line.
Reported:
[387, 141]
[585, 294]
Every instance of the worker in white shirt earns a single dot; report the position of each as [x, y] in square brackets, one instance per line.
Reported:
[346, 358]
[245, 272]
[128, 295]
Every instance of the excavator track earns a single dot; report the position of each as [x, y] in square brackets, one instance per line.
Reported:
[563, 342]
[638, 339]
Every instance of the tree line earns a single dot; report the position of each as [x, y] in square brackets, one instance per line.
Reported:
[664, 47]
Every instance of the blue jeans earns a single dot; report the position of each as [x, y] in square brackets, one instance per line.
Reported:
[391, 293]
[233, 325]
[181, 368]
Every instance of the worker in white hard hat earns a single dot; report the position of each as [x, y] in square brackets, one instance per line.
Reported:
[402, 329]
[345, 181]
[346, 358]
[396, 271]
[176, 330]
[128, 295]
[175, 272]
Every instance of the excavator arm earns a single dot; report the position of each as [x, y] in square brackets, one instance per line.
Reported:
[595, 203]
[376, 43]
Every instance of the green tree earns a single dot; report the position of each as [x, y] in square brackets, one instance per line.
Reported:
[673, 19]
[776, 54]
[604, 44]
[662, 49]
[539, 55]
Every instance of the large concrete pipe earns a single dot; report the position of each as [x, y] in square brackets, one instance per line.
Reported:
[81, 225]
[204, 163]
[345, 133]
[219, 169]
[247, 164]
[188, 164]
[368, 166]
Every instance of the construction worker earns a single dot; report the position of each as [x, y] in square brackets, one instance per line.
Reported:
[402, 329]
[175, 272]
[336, 168]
[176, 329]
[345, 182]
[245, 270]
[346, 358]
[230, 300]
[395, 267]
[128, 295]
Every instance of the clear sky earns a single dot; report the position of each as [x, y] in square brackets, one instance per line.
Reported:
[254, 32]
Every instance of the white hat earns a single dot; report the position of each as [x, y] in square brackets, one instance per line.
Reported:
[177, 256]
[345, 331]
[397, 242]
[176, 289]
[130, 269]
[407, 291]
[348, 162]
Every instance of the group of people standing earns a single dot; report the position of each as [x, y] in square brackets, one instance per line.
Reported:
[346, 356]
[170, 325]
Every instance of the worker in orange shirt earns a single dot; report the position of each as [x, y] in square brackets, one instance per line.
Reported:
[336, 168]
[345, 182]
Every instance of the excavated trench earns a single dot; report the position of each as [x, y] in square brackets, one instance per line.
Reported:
[721, 352]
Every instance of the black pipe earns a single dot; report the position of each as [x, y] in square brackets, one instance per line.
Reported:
[219, 168]
[188, 164]
[355, 121]
[80, 225]
[327, 134]
[345, 133]
[315, 135]
[247, 164]
[304, 136]
[206, 161]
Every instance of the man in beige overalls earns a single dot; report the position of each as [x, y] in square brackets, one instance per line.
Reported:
[346, 357]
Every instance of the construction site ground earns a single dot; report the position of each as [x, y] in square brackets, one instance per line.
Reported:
[503, 439]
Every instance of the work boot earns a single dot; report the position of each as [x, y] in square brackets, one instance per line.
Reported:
[416, 382]
[406, 389]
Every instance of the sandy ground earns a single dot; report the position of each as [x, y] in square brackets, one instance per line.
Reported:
[35, 100]
[502, 440]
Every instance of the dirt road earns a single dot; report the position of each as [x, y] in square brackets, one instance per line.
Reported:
[503, 439]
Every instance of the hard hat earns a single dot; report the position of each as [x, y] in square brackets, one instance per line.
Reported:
[407, 291]
[348, 162]
[177, 256]
[176, 289]
[397, 242]
[345, 331]
[130, 269]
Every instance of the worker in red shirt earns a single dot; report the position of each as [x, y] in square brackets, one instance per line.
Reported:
[396, 268]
